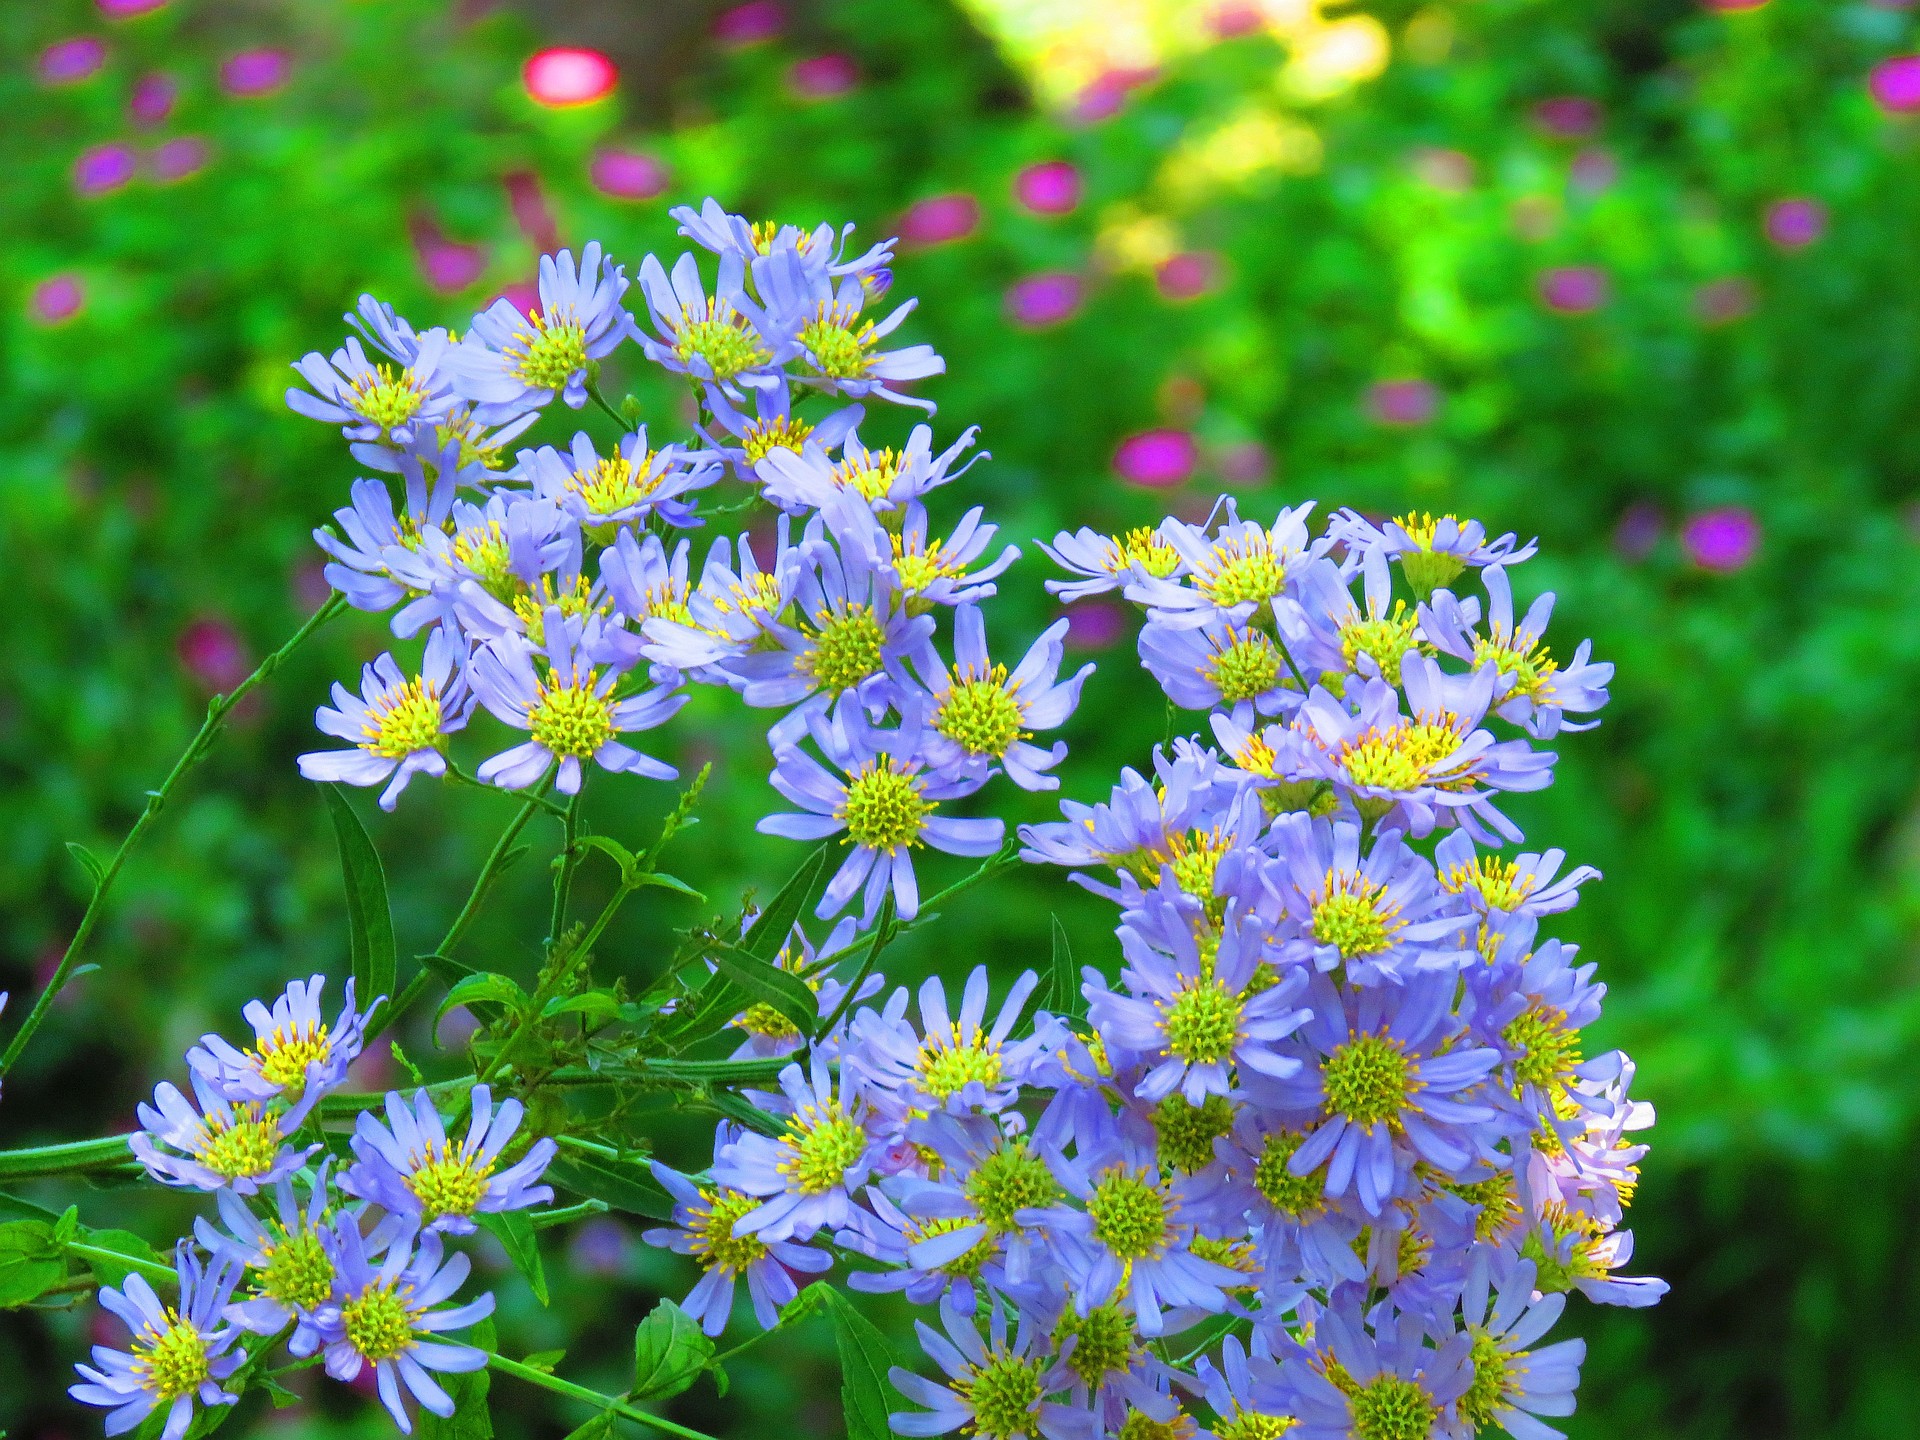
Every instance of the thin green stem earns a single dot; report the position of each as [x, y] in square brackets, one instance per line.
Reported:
[569, 861]
[217, 711]
[461, 777]
[595, 1398]
[75, 1157]
[152, 1269]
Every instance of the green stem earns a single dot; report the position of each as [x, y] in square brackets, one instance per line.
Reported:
[594, 392]
[569, 860]
[595, 1398]
[152, 1269]
[75, 1157]
[217, 711]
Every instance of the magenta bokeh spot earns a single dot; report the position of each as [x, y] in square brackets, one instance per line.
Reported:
[213, 653]
[1042, 300]
[1402, 402]
[449, 266]
[627, 174]
[153, 99]
[1723, 539]
[179, 158]
[1593, 171]
[1188, 275]
[101, 168]
[1567, 117]
[750, 24]
[256, 72]
[1638, 531]
[1732, 6]
[821, 77]
[1722, 301]
[564, 75]
[1895, 84]
[1795, 224]
[1573, 289]
[1106, 95]
[1156, 459]
[1236, 18]
[67, 62]
[1051, 187]
[1248, 463]
[1095, 624]
[122, 9]
[524, 296]
[940, 219]
[57, 298]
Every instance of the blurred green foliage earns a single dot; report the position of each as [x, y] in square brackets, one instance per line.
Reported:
[1751, 798]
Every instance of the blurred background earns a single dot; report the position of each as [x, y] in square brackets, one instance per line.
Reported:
[1636, 276]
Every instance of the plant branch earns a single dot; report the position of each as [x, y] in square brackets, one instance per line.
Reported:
[602, 1402]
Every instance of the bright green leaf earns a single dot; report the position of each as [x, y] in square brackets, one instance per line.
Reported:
[669, 1352]
[369, 922]
[624, 1184]
[30, 1262]
[514, 1230]
[471, 1419]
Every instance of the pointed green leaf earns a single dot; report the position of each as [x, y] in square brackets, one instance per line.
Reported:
[767, 984]
[89, 862]
[769, 931]
[866, 1395]
[623, 1183]
[514, 1230]
[1063, 982]
[113, 1255]
[484, 987]
[611, 848]
[471, 1419]
[369, 922]
[30, 1262]
[669, 1352]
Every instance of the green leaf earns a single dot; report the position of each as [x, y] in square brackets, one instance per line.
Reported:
[770, 985]
[484, 987]
[369, 922]
[611, 848]
[866, 1394]
[768, 933]
[1064, 997]
[597, 1006]
[598, 1427]
[669, 1352]
[89, 862]
[119, 1242]
[514, 1230]
[547, 1360]
[624, 1184]
[663, 881]
[30, 1262]
[281, 1397]
[471, 1419]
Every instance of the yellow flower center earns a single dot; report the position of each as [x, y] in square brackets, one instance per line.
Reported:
[715, 1245]
[551, 352]
[1387, 638]
[1242, 574]
[873, 476]
[403, 721]
[1202, 1022]
[949, 1063]
[762, 439]
[1246, 667]
[979, 715]
[174, 1361]
[1129, 1214]
[723, 337]
[821, 1147]
[378, 1322]
[570, 720]
[846, 649]
[449, 1183]
[1368, 1080]
[282, 1058]
[242, 1150]
[385, 399]
[884, 809]
[1353, 915]
[615, 483]
[295, 1270]
[1147, 548]
[839, 341]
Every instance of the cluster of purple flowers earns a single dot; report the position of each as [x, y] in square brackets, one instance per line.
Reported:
[349, 1264]
[1334, 1126]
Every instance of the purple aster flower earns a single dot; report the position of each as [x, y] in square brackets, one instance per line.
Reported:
[398, 724]
[567, 705]
[1573, 1249]
[1588, 1162]
[842, 353]
[373, 402]
[1534, 691]
[713, 228]
[1302, 1232]
[995, 1387]
[459, 447]
[1195, 1020]
[372, 528]
[775, 432]
[1383, 1086]
[287, 1255]
[1533, 1011]
[1381, 915]
[385, 329]
[725, 341]
[626, 488]
[1432, 553]
[806, 1177]
[1328, 633]
[1244, 1392]
[1218, 665]
[1232, 574]
[294, 1049]
[179, 1353]
[1503, 889]
[1110, 562]
[510, 363]
[884, 800]
[504, 547]
[927, 571]
[1391, 1376]
[770, 1033]
[953, 1062]
[383, 1317]
[410, 1169]
[706, 1219]
[223, 1143]
[1513, 1381]
[885, 479]
[980, 714]
[730, 609]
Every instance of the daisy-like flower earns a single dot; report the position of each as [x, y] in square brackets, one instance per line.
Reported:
[286, 1255]
[713, 228]
[1500, 889]
[1302, 1232]
[627, 487]
[1218, 666]
[1383, 1087]
[980, 714]
[1381, 915]
[806, 1177]
[1327, 632]
[996, 1387]
[568, 706]
[770, 1033]
[729, 610]
[1195, 1020]
[1512, 1381]
[1110, 562]
[1572, 1249]
[705, 1219]
[294, 1049]
[398, 723]
[884, 800]
[929, 571]
[953, 1060]
[459, 449]
[510, 362]
[371, 527]
[884, 480]
[1386, 1383]
[224, 1143]
[724, 341]
[773, 432]
[1231, 575]
[504, 547]
[179, 1353]
[371, 401]
[1432, 553]
[410, 1169]
[841, 352]
[385, 1317]
[1534, 691]
[1533, 1011]
[1588, 1162]
[1244, 1392]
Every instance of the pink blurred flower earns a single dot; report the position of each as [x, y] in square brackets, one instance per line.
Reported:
[309, 583]
[152, 99]
[821, 77]
[1796, 223]
[55, 299]
[940, 219]
[123, 9]
[1593, 171]
[1156, 459]
[566, 75]
[1051, 187]
[1106, 95]
[256, 72]
[1722, 301]
[1403, 403]
[1095, 624]
[1723, 539]
[1567, 117]
[179, 158]
[627, 174]
[749, 24]
[67, 62]
[528, 201]
[1895, 84]
[1236, 18]
[1042, 300]
[1638, 531]
[1573, 289]
[1448, 170]
[1248, 463]
[449, 266]
[1188, 275]
[524, 295]
[213, 653]
[100, 168]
